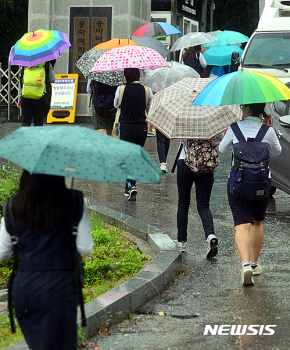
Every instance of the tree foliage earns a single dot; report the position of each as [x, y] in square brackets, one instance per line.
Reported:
[241, 16]
[13, 24]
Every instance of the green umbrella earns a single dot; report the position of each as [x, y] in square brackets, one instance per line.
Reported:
[79, 152]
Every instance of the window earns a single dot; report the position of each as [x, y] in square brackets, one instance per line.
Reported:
[271, 49]
[280, 107]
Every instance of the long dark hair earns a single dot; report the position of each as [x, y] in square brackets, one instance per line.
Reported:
[191, 50]
[42, 201]
[132, 74]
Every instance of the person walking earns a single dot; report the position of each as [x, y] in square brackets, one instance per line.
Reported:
[35, 107]
[44, 289]
[132, 120]
[194, 58]
[189, 172]
[104, 111]
[249, 213]
[163, 144]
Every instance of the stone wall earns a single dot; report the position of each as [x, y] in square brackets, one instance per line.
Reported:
[127, 16]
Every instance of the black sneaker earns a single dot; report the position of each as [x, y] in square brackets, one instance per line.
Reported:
[212, 244]
[131, 192]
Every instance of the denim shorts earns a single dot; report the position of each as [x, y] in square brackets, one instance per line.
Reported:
[247, 210]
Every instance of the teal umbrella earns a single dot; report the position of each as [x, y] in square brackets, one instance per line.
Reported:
[227, 37]
[221, 55]
[80, 152]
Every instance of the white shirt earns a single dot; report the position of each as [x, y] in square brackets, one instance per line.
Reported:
[250, 127]
[84, 240]
[116, 100]
[89, 86]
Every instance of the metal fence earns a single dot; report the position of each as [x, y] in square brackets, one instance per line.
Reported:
[9, 82]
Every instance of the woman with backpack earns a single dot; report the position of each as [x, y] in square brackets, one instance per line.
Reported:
[194, 58]
[133, 127]
[44, 290]
[34, 93]
[103, 106]
[249, 211]
[197, 162]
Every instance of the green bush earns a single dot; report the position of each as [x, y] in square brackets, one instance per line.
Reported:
[9, 185]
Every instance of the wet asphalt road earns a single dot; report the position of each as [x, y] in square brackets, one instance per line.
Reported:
[206, 292]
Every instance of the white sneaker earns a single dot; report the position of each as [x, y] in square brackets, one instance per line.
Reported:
[257, 270]
[247, 276]
[212, 245]
[182, 246]
[150, 133]
[163, 167]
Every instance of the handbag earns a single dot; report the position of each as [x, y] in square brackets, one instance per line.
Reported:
[116, 122]
[202, 156]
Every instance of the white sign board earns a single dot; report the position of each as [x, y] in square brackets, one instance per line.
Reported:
[62, 95]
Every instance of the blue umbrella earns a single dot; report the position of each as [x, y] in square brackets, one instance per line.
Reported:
[221, 55]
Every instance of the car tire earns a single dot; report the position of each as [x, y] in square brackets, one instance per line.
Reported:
[272, 190]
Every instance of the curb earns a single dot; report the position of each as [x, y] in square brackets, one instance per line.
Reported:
[115, 305]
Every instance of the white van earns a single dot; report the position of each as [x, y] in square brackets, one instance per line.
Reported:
[268, 49]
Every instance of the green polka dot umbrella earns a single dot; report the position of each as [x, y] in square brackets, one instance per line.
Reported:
[80, 152]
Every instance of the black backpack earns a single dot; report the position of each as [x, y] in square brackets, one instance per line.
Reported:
[249, 175]
[77, 197]
[103, 96]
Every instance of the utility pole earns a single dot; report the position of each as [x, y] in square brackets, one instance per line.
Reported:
[173, 22]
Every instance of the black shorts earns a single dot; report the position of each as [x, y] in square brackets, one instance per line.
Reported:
[247, 210]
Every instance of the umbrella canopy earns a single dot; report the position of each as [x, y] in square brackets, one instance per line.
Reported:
[129, 57]
[192, 39]
[153, 43]
[161, 78]
[39, 46]
[86, 63]
[114, 43]
[174, 115]
[156, 29]
[221, 55]
[79, 152]
[228, 37]
[243, 87]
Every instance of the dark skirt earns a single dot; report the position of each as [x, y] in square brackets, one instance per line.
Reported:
[103, 121]
[46, 309]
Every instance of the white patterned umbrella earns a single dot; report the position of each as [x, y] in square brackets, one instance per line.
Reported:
[192, 39]
[86, 63]
[172, 112]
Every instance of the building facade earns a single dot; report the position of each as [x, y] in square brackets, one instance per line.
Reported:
[89, 22]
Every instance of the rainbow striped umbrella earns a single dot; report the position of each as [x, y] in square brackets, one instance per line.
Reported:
[243, 87]
[38, 46]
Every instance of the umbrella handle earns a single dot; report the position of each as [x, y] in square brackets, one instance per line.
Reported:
[72, 182]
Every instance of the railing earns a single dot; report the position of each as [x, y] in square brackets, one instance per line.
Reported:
[9, 82]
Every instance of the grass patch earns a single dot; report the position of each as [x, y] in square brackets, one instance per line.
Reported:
[114, 260]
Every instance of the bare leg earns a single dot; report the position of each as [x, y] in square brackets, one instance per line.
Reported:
[150, 127]
[242, 239]
[256, 239]
[108, 132]
[102, 131]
